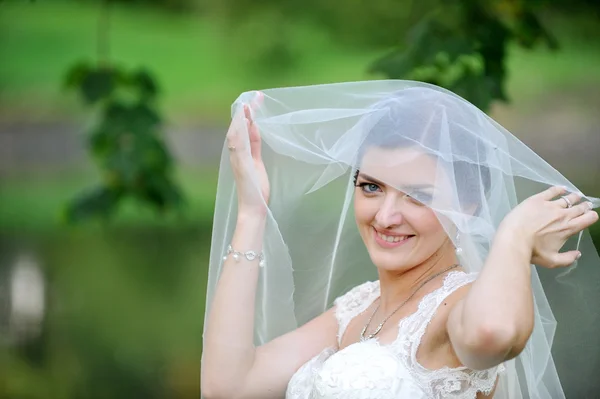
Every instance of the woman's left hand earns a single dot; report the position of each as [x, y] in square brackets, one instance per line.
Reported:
[545, 221]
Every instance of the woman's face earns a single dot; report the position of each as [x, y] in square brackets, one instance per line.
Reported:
[399, 231]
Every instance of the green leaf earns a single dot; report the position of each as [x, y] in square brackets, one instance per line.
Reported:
[475, 88]
[394, 65]
[155, 157]
[530, 32]
[163, 194]
[99, 202]
[97, 85]
[145, 83]
[125, 165]
[76, 74]
[143, 118]
[126, 143]
[431, 44]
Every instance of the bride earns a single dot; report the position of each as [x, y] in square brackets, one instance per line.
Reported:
[388, 252]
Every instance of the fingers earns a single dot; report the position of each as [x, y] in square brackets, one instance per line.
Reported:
[580, 209]
[254, 136]
[580, 216]
[247, 112]
[244, 131]
[258, 100]
[253, 132]
[552, 192]
[235, 138]
[255, 103]
[568, 201]
[563, 259]
[583, 221]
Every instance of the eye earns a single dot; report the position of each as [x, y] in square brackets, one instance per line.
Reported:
[369, 188]
[419, 198]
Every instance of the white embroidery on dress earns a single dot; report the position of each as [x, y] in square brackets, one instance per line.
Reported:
[353, 303]
[368, 370]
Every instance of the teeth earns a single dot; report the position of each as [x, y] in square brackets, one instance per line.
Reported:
[392, 238]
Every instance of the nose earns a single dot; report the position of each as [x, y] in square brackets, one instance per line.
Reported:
[390, 212]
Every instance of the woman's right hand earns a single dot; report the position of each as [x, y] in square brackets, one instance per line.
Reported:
[251, 179]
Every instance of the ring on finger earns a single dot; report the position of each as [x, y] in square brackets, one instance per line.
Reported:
[568, 201]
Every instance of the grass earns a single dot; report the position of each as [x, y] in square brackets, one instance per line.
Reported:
[35, 204]
[203, 66]
[202, 70]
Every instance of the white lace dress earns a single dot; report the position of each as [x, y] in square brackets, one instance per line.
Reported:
[369, 370]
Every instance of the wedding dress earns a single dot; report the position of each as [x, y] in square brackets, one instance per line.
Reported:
[370, 370]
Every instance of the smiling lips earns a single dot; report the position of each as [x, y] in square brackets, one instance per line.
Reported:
[390, 241]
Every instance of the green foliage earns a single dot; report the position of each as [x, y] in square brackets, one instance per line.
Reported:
[362, 22]
[168, 5]
[462, 46]
[267, 28]
[125, 142]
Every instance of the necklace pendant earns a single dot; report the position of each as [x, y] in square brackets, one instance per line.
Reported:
[362, 334]
[374, 333]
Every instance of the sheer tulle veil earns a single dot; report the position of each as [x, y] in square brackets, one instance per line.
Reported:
[316, 137]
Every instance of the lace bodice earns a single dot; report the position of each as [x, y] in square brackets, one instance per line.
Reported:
[370, 370]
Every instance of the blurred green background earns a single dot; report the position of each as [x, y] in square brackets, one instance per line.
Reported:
[113, 307]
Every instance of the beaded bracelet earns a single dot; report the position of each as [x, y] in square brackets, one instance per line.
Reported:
[249, 255]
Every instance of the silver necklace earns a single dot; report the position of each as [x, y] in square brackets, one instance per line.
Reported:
[364, 330]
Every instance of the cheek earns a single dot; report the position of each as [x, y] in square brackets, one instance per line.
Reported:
[364, 209]
[426, 223]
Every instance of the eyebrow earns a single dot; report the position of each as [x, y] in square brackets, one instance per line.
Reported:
[411, 186]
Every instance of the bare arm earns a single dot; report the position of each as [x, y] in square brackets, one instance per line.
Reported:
[228, 351]
[495, 320]
[276, 362]
[231, 365]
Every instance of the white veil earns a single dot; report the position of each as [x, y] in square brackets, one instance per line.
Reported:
[314, 139]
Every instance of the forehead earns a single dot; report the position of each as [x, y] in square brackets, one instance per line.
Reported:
[402, 167]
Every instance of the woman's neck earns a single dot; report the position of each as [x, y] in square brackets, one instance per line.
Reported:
[396, 286]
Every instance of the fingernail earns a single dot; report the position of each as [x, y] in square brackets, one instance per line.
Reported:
[578, 256]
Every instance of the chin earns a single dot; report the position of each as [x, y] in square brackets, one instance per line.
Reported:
[390, 261]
